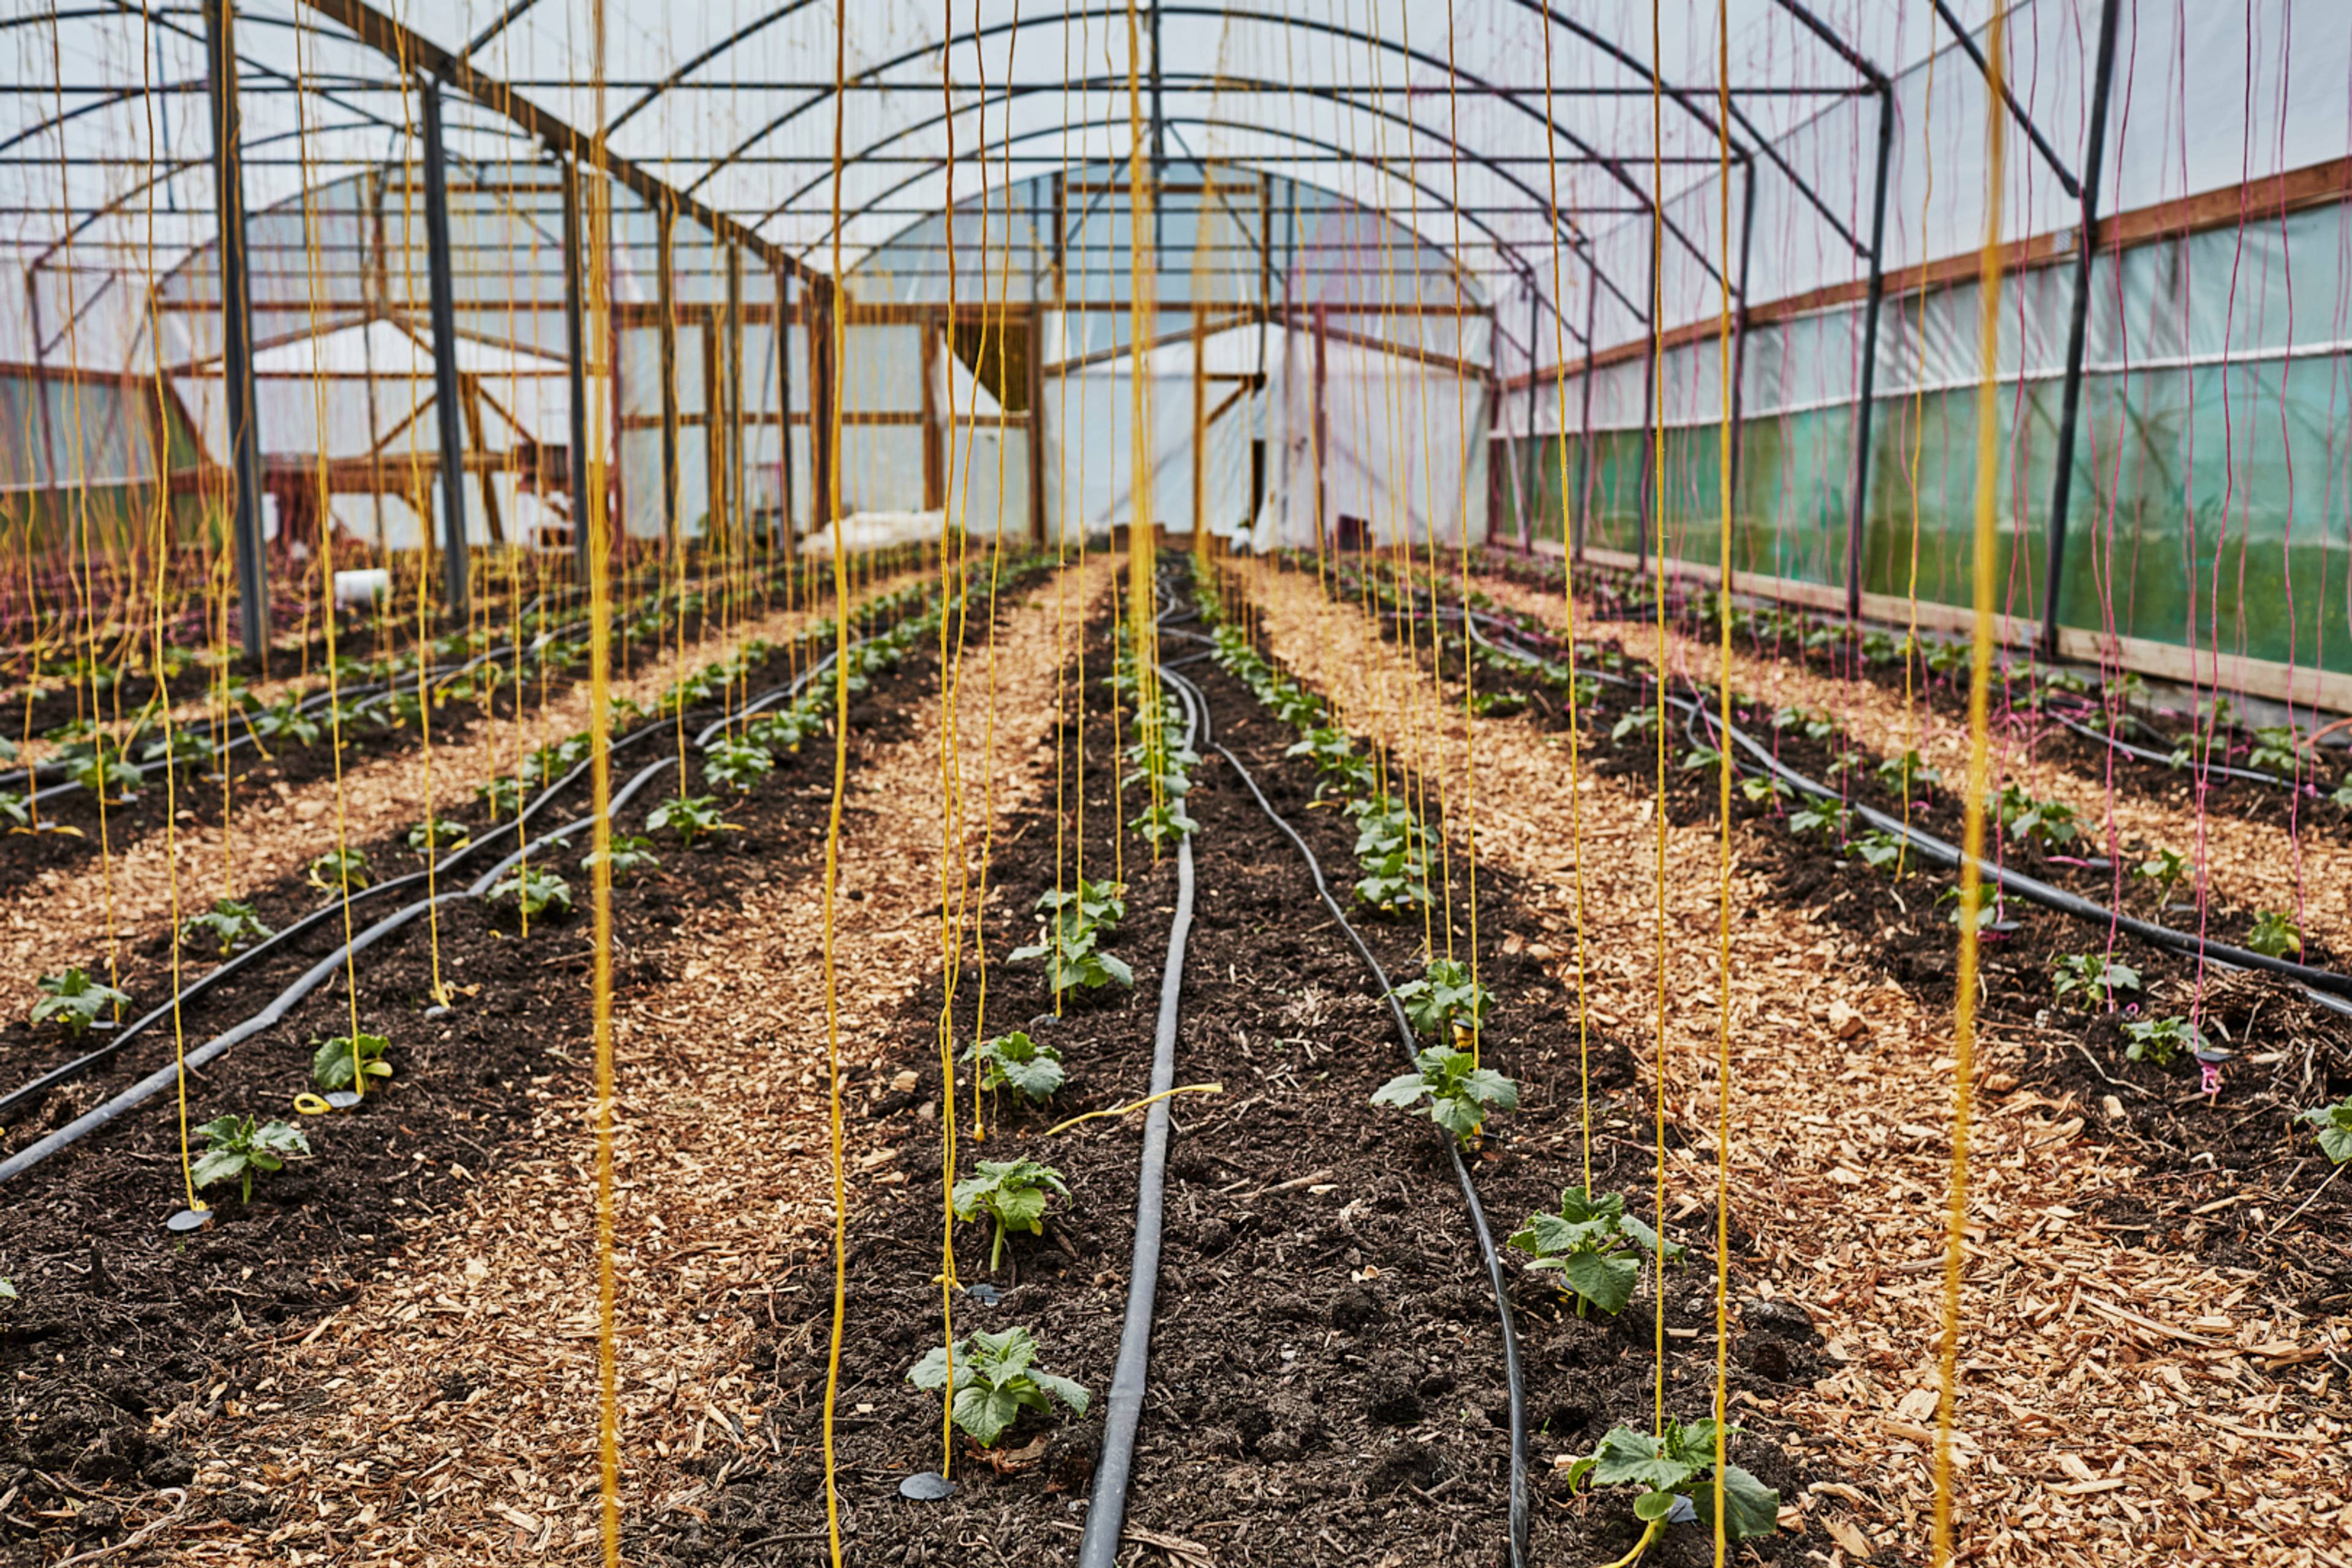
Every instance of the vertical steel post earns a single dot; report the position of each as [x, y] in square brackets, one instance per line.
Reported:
[1322, 421]
[1583, 519]
[1533, 491]
[782, 539]
[666, 307]
[1858, 513]
[1739, 389]
[1200, 423]
[821, 304]
[448, 400]
[1036, 384]
[731, 444]
[1650, 413]
[237, 331]
[575, 349]
[2062, 486]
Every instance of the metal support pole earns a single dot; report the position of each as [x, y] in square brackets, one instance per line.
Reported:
[1650, 411]
[782, 532]
[1200, 425]
[448, 400]
[575, 346]
[1535, 447]
[731, 441]
[1858, 513]
[666, 307]
[1037, 380]
[2062, 486]
[1583, 514]
[1739, 342]
[236, 331]
[1322, 422]
[823, 497]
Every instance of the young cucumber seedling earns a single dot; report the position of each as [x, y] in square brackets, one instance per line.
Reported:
[337, 1063]
[228, 922]
[1016, 1062]
[996, 1378]
[1677, 1467]
[1010, 1194]
[1597, 1246]
[239, 1149]
[75, 1000]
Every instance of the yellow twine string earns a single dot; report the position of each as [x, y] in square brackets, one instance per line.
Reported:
[1964, 1020]
[1655, 502]
[834, 321]
[1135, 1105]
[1723, 1078]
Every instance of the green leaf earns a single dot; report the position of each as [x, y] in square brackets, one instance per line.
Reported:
[1404, 1090]
[1629, 1458]
[1647, 1239]
[1607, 1281]
[1457, 1113]
[985, 1412]
[1492, 1089]
[931, 1372]
[1067, 1390]
[1036, 1078]
[216, 1165]
[1650, 1507]
[1749, 1507]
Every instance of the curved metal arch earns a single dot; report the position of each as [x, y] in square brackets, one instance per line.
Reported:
[1385, 165]
[1002, 142]
[113, 100]
[1615, 166]
[1577, 239]
[172, 172]
[1552, 18]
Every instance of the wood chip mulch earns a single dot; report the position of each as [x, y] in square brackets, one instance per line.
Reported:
[2120, 1405]
[449, 1416]
[2251, 864]
[58, 918]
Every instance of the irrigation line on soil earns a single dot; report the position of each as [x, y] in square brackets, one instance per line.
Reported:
[2317, 984]
[1512, 1374]
[212, 977]
[1123, 1405]
[326, 968]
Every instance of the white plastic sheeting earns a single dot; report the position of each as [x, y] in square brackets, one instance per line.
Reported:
[1404, 450]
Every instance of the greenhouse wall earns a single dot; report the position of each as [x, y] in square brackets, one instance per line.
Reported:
[2208, 494]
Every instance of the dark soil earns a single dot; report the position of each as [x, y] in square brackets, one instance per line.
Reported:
[2035, 735]
[25, 855]
[118, 1323]
[1325, 1379]
[2242, 1148]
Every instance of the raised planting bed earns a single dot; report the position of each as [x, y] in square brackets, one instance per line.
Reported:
[1325, 1379]
[128, 1347]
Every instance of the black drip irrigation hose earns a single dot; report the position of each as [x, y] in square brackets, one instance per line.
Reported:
[2324, 986]
[318, 973]
[1123, 1405]
[1513, 1373]
[2163, 759]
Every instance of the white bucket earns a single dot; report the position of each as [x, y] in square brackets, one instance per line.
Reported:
[372, 586]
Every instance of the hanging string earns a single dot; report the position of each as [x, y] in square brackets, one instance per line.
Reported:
[596, 304]
[1984, 564]
[834, 330]
[1723, 1076]
[1655, 503]
[314, 264]
[1568, 603]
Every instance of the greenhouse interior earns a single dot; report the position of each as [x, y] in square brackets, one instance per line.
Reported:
[659, 663]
